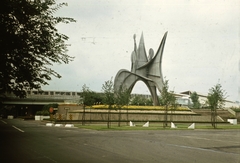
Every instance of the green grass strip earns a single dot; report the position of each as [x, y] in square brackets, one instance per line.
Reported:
[103, 127]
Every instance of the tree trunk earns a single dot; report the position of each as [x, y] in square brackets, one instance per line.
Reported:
[127, 115]
[83, 116]
[214, 117]
[108, 121]
[165, 123]
[119, 117]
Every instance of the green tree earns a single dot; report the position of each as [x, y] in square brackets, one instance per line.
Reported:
[215, 100]
[98, 98]
[122, 97]
[30, 43]
[160, 100]
[140, 100]
[136, 100]
[149, 102]
[167, 99]
[108, 97]
[88, 99]
[195, 99]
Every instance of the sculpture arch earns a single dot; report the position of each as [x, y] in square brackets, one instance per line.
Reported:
[147, 69]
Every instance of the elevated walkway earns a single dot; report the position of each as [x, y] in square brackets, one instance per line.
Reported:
[42, 98]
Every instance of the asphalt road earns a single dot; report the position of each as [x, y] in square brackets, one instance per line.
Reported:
[31, 141]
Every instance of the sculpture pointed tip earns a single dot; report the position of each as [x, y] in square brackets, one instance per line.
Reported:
[141, 39]
[142, 35]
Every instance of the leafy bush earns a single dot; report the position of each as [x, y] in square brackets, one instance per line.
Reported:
[45, 112]
[42, 112]
[39, 113]
[48, 106]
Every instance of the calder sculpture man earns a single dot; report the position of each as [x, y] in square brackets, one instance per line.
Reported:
[144, 68]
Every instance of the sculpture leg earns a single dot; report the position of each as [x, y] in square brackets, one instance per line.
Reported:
[154, 96]
[153, 90]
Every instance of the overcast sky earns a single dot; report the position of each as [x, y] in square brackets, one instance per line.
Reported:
[201, 50]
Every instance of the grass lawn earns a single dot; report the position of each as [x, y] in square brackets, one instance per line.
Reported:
[155, 126]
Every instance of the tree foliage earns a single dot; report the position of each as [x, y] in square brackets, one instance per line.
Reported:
[216, 97]
[215, 100]
[88, 99]
[167, 99]
[30, 44]
[122, 98]
[88, 96]
[195, 99]
[108, 97]
[48, 106]
[140, 100]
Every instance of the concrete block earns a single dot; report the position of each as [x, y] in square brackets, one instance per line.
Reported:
[131, 124]
[232, 121]
[173, 125]
[49, 124]
[44, 117]
[146, 124]
[37, 117]
[69, 125]
[192, 126]
[10, 117]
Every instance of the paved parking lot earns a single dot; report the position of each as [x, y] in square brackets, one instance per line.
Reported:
[31, 141]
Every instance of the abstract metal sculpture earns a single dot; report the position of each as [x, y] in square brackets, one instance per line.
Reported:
[147, 69]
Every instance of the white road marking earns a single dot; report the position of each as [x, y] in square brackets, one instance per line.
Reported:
[191, 137]
[202, 149]
[4, 122]
[17, 128]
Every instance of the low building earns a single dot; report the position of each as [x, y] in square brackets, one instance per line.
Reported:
[203, 100]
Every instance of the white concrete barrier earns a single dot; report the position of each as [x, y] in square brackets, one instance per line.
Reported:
[69, 125]
[44, 117]
[232, 121]
[173, 125]
[192, 126]
[10, 117]
[37, 117]
[49, 124]
[146, 124]
[131, 124]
